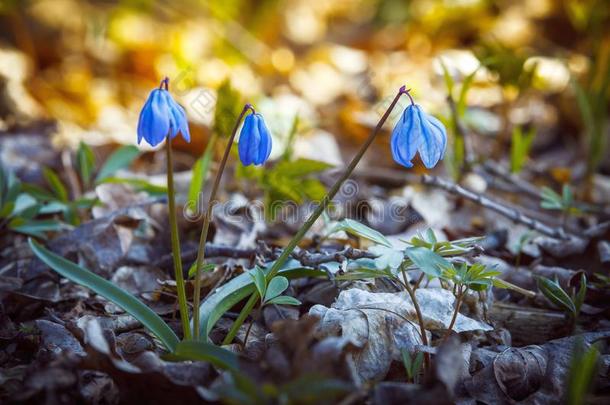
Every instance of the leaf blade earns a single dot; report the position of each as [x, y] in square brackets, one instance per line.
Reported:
[106, 289]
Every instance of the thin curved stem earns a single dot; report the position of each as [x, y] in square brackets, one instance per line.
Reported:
[206, 222]
[173, 225]
[287, 252]
[458, 304]
[420, 318]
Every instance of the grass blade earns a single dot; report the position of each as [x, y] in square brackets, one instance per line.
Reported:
[118, 160]
[106, 289]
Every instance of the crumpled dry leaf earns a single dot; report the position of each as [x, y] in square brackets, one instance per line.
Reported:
[56, 338]
[382, 324]
[531, 375]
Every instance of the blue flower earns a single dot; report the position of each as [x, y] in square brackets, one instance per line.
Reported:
[254, 141]
[418, 131]
[161, 117]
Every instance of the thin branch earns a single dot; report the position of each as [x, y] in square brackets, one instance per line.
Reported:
[499, 207]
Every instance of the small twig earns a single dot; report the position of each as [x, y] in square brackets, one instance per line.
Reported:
[315, 259]
[211, 250]
[501, 208]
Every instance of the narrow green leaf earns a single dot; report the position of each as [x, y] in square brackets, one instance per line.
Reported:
[554, 293]
[35, 227]
[138, 184]
[85, 162]
[260, 281]
[407, 362]
[277, 285]
[106, 289]
[119, 159]
[55, 183]
[284, 300]
[357, 229]
[204, 351]
[579, 299]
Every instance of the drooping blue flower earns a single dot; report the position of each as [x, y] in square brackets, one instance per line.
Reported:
[254, 141]
[417, 131]
[161, 117]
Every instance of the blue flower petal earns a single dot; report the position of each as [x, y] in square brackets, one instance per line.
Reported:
[154, 121]
[246, 141]
[265, 141]
[179, 121]
[440, 133]
[429, 149]
[406, 137]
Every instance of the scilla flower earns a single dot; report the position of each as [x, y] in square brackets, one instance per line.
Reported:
[418, 131]
[161, 117]
[254, 140]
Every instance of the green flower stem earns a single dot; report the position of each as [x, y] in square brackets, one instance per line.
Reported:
[206, 222]
[173, 224]
[277, 265]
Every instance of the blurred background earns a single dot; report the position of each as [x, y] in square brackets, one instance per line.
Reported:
[529, 71]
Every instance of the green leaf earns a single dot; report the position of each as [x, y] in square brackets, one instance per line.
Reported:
[85, 162]
[120, 159]
[204, 351]
[357, 229]
[106, 289]
[313, 189]
[448, 79]
[579, 299]
[53, 180]
[554, 293]
[550, 199]
[240, 287]
[461, 102]
[584, 364]
[258, 275]
[35, 227]
[277, 285]
[138, 184]
[284, 300]
[566, 196]
[300, 167]
[428, 261]
[204, 269]
[10, 188]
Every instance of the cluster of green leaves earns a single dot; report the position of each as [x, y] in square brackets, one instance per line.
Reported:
[521, 144]
[20, 207]
[570, 303]
[550, 200]
[269, 292]
[412, 363]
[476, 277]
[35, 210]
[288, 180]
